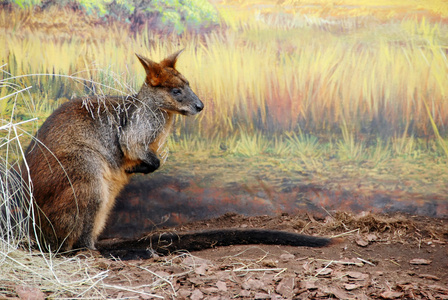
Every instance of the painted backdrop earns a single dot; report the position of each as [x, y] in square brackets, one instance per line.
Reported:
[309, 105]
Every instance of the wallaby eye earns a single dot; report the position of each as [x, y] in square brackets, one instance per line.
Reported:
[176, 91]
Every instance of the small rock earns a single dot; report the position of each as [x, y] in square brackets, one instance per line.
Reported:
[362, 242]
[244, 293]
[371, 237]
[262, 296]
[340, 275]
[269, 278]
[184, 293]
[429, 276]
[357, 275]
[269, 263]
[338, 293]
[405, 286]
[391, 295]
[351, 286]
[222, 286]
[253, 284]
[324, 271]
[196, 295]
[286, 287]
[196, 281]
[309, 285]
[210, 290]
[420, 261]
[287, 257]
[201, 270]
[222, 276]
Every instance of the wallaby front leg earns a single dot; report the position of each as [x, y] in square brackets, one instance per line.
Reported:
[148, 165]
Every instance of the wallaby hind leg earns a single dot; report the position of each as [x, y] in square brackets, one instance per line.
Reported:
[68, 219]
[87, 238]
[60, 221]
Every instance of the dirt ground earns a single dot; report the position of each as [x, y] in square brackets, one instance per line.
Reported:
[379, 257]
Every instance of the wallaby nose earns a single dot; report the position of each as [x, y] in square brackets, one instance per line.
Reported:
[199, 106]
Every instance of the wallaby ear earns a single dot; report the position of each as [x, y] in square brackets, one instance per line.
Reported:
[153, 70]
[170, 61]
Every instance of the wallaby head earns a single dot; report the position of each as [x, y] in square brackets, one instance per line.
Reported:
[169, 89]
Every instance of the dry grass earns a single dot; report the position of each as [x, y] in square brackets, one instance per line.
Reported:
[303, 74]
[371, 223]
[21, 266]
[61, 276]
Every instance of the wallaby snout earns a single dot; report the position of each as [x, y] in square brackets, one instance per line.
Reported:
[190, 103]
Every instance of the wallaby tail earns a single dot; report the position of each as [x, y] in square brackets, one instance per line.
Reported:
[169, 242]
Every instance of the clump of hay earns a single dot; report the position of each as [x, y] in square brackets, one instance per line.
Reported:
[371, 223]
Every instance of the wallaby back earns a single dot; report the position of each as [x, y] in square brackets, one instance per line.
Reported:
[85, 152]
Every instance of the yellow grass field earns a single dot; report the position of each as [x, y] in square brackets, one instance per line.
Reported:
[277, 67]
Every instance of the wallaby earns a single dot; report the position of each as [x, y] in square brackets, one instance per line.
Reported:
[85, 152]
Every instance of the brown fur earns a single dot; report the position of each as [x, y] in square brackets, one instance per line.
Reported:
[85, 152]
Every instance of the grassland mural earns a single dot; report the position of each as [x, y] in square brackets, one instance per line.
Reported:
[310, 105]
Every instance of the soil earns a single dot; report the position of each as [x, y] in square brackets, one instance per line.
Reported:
[377, 257]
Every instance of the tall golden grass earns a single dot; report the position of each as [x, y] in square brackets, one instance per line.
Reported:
[267, 72]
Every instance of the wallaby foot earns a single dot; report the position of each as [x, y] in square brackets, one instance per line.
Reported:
[85, 242]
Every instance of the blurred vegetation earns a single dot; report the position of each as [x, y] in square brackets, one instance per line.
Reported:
[167, 15]
[331, 74]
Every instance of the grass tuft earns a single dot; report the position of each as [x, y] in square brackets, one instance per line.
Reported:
[250, 145]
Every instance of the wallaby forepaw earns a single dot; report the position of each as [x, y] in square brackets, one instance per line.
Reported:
[144, 168]
[153, 162]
